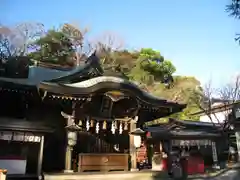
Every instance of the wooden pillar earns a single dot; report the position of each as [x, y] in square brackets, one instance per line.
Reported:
[237, 134]
[133, 150]
[40, 158]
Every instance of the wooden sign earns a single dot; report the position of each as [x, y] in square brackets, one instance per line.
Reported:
[19, 136]
[185, 143]
[7, 135]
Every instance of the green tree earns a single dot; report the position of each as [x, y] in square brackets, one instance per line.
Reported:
[233, 9]
[77, 37]
[151, 66]
[152, 62]
[150, 54]
[55, 47]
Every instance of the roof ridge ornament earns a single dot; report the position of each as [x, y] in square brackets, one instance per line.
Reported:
[70, 119]
[95, 62]
[135, 119]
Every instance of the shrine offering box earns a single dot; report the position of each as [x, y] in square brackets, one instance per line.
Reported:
[103, 162]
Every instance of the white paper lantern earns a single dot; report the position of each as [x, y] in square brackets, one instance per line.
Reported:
[113, 129]
[120, 128]
[87, 125]
[72, 138]
[97, 127]
[137, 141]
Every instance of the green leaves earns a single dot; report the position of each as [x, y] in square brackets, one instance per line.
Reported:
[151, 67]
[150, 54]
[233, 9]
[54, 47]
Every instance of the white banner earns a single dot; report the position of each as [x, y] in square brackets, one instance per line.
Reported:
[19, 136]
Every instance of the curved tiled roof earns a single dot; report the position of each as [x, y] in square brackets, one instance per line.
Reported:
[85, 80]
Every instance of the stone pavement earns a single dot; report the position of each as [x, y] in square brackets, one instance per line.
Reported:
[228, 175]
[232, 173]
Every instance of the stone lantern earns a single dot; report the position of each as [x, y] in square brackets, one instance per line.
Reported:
[72, 132]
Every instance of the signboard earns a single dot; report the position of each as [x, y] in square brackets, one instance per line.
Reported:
[236, 111]
[186, 143]
[19, 136]
[214, 152]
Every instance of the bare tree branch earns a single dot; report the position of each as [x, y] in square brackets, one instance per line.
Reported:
[106, 45]
[78, 38]
[16, 40]
[111, 41]
[231, 91]
[226, 95]
[203, 99]
[28, 33]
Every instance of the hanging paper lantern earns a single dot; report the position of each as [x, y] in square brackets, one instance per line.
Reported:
[137, 141]
[80, 123]
[160, 146]
[97, 127]
[125, 126]
[205, 143]
[113, 129]
[104, 125]
[181, 143]
[92, 123]
[120, 128]
[87, 125]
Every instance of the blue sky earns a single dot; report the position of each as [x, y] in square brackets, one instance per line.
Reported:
[197, 35]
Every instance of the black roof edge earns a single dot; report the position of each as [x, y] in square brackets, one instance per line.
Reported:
[194, 123]
[92, 63]
[187, 123]
[144, 96]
